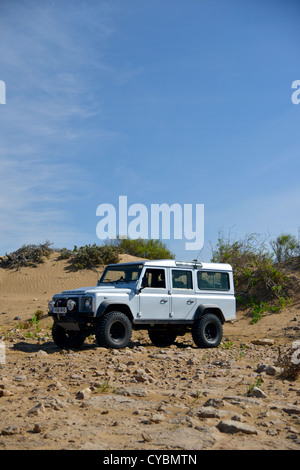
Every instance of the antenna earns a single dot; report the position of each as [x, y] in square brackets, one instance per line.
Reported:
[197, 257]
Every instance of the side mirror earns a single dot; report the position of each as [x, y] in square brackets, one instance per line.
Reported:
[144, 283]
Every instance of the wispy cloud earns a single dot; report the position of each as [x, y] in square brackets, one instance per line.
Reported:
[45, 52]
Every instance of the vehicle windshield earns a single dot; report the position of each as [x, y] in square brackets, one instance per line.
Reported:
[121, 273]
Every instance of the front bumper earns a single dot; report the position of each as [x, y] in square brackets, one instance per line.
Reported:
[76, 318]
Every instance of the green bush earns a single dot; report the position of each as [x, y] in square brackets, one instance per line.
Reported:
[91, 256]
[285, 247]
[150, 249]
[65, 253]
[260, 284]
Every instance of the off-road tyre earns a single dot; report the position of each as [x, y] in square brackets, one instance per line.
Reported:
[162, 338]
[67, 338]
[207, 331]
[113, 330]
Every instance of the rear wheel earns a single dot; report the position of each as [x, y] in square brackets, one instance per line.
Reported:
[207, 331]
[113, 330]
[67, 338]
[162, 338]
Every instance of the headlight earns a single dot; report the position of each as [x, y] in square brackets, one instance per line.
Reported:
[51, 304]
[71, 304]
[88, 303]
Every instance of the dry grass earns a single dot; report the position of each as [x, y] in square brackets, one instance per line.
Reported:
[289, 361]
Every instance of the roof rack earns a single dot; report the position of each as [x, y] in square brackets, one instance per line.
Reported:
[195, 264]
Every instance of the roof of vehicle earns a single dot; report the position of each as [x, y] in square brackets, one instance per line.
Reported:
[170, 263]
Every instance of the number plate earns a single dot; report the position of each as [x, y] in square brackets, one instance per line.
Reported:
[60, 310]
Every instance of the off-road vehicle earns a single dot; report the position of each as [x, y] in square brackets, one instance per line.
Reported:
[166, 297]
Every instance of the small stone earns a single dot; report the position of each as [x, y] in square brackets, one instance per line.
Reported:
[41, 352]
[20, 378]
[293, 430]
[141, 376]
[263, 342]
[146, 436]
[292, 410]
[258, 393]
[5, 393]
[75, 377]
[272, 370]
[10, 430]
[238, 417]
[261, 368]
[157, 418]
[85, 405]
[132, 392]
[208, 412]
[36, 410]
[214, 402]
[191, 361]
[84, 394]
[37, 428]
[232, 427]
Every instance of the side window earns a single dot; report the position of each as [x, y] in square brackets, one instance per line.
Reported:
[182, 279]
[213, 280]
[155, 278]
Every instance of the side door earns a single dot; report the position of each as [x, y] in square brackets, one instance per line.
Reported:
[183, 299]
[154, 298]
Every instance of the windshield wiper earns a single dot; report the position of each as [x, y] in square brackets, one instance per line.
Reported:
[105, 281]
[122, 280]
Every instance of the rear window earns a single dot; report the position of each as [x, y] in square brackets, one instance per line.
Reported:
[208, 280]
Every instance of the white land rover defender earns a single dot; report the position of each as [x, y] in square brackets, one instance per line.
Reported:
[165, 297]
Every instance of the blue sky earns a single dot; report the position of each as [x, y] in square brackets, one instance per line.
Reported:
[170, 101]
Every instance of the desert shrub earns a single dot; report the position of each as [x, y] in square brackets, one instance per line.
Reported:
[288, 360]
[65, 253]
[38, 314]
[91, 256]
[27, 255]
[260, 284]
[150, 249]
[285, 247]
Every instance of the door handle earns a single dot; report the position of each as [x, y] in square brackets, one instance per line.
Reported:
[189, 302]
[163, 301]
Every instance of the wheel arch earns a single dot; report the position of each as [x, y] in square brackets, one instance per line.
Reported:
[109, 306]
[209, 308]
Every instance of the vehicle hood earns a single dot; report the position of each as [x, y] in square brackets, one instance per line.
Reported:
[105, 290]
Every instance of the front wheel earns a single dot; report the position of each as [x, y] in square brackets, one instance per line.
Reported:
[207, 331]
[113, 330]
